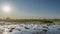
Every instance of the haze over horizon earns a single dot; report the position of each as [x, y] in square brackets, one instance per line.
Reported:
[30, 8]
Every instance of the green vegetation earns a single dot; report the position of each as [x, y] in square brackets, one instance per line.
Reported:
[38, 21]
[29, 20]
[56, 20]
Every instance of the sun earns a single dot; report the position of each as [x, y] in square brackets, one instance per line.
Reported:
[6, 9]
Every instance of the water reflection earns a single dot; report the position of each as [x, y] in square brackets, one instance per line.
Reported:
[30, 29]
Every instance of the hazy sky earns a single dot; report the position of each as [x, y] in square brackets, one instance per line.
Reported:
[31, 8]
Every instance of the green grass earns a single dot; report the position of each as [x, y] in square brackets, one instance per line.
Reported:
[38, 21]
[34, 21]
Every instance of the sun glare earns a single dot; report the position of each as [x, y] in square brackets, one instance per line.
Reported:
[6, 9]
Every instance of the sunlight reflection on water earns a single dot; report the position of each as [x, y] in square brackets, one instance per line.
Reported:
[30, 29]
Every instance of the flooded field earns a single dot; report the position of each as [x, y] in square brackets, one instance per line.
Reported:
[9, 28]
